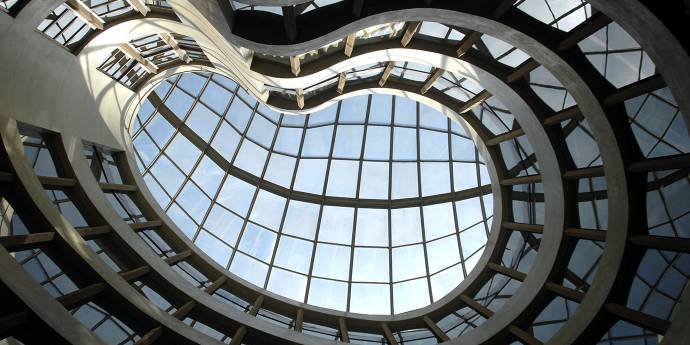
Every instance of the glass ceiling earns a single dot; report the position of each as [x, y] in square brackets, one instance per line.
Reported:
[354, 207]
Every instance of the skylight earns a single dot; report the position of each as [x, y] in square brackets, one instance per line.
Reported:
[377, 204]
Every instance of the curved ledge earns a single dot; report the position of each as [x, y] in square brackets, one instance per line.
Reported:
[156, 12]
[256, 30]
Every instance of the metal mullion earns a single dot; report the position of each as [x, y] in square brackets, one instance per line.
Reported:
[358, 192]
[145, 124]
[325, 186]
[292, 183]
[481, 196]
[391, 128]
[452, 188]
[222, 118]
[594, 204]
[188, 177]
[664, 202]
[421, 208]
[177, 129]
[285, 210]
[256, 191]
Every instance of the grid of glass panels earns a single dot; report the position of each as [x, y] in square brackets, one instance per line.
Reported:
[12, 6]
[374, 260]
[66, 28]
[561, 14]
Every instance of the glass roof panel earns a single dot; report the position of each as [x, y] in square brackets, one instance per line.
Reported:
[355, 202]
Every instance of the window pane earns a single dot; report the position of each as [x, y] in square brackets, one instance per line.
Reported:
[374, 180]
[406, 226]
[301, 219]
[288, 284]
[372, 227]
[370, 265]
[438, 220]
[408, 262]
[332, 261]
[342, 178]
[294, 254]
[268, 210]
[336, 224]
[249, 269]
[370, 299]
[258, 242]
[328, 294]
[443, 253]
[236, 195]
[410, 295]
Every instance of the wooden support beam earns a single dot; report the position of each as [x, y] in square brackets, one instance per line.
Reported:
[536, 178]
[216, 285]
[172, 42]
[635, 89]
[440, 335]
[76, 299]
[349, 44]
[468, 41]
[584, 173]
[674, 244]
[560, 290]
[139, 6]
[508, 272]
[93, 232]
[482, 310]
[593, 24]
[342, 327]
[388, 334]
[256, 306]
[505, 137]
[10, 322]
[474, 101]
[178, 257]
[118, 188]
[432, 80]
[386, 73]
[150, 337]
[86, 14]
[300, 98]
[290, 22]
[357, 6]
[523, 336]
[637, 318]
[295, 65]
[299, 320]
[586, 234]
[152, 224]
[533, 228]
[576, 280]
[133, 53]
[18, 243]
[412, 28]
[135, 274]
[568, 113]
[522, 70]
[662, 163]
[239, 336]
[341, 82]
[50, 182]
[184, 310]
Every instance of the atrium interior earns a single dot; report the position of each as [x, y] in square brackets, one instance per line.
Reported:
[407, 172]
